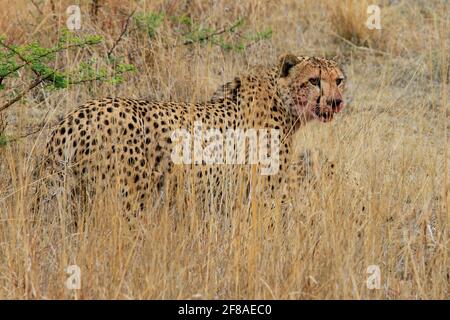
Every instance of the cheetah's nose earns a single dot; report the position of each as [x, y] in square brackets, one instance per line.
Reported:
[335, 104]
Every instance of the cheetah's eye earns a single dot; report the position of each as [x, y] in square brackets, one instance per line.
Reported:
[315, 81]
[339, 81]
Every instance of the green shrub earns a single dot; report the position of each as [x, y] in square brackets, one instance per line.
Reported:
[39, 61]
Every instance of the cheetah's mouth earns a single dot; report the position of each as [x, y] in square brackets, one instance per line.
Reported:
[324, 116]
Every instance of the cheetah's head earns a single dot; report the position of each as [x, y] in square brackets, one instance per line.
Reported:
[312, 87]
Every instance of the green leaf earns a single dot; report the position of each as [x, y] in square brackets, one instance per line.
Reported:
[3, 140]
[150, 22]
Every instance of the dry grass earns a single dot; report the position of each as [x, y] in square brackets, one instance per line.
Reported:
[392, 138]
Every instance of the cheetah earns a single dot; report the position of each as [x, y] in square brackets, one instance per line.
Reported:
[130, 142]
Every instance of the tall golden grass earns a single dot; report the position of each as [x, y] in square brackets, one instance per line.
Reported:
[386, 205]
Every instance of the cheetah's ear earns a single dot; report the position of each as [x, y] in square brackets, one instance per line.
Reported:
[286, 62]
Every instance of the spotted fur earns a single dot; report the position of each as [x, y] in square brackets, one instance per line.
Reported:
[128, 142]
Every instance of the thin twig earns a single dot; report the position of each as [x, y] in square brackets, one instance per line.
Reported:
[359, 47]
[25, 135]
[37, 7]
[124, 29]
[209, 36]
[213, 34]
[20, 95]
[99, 78]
